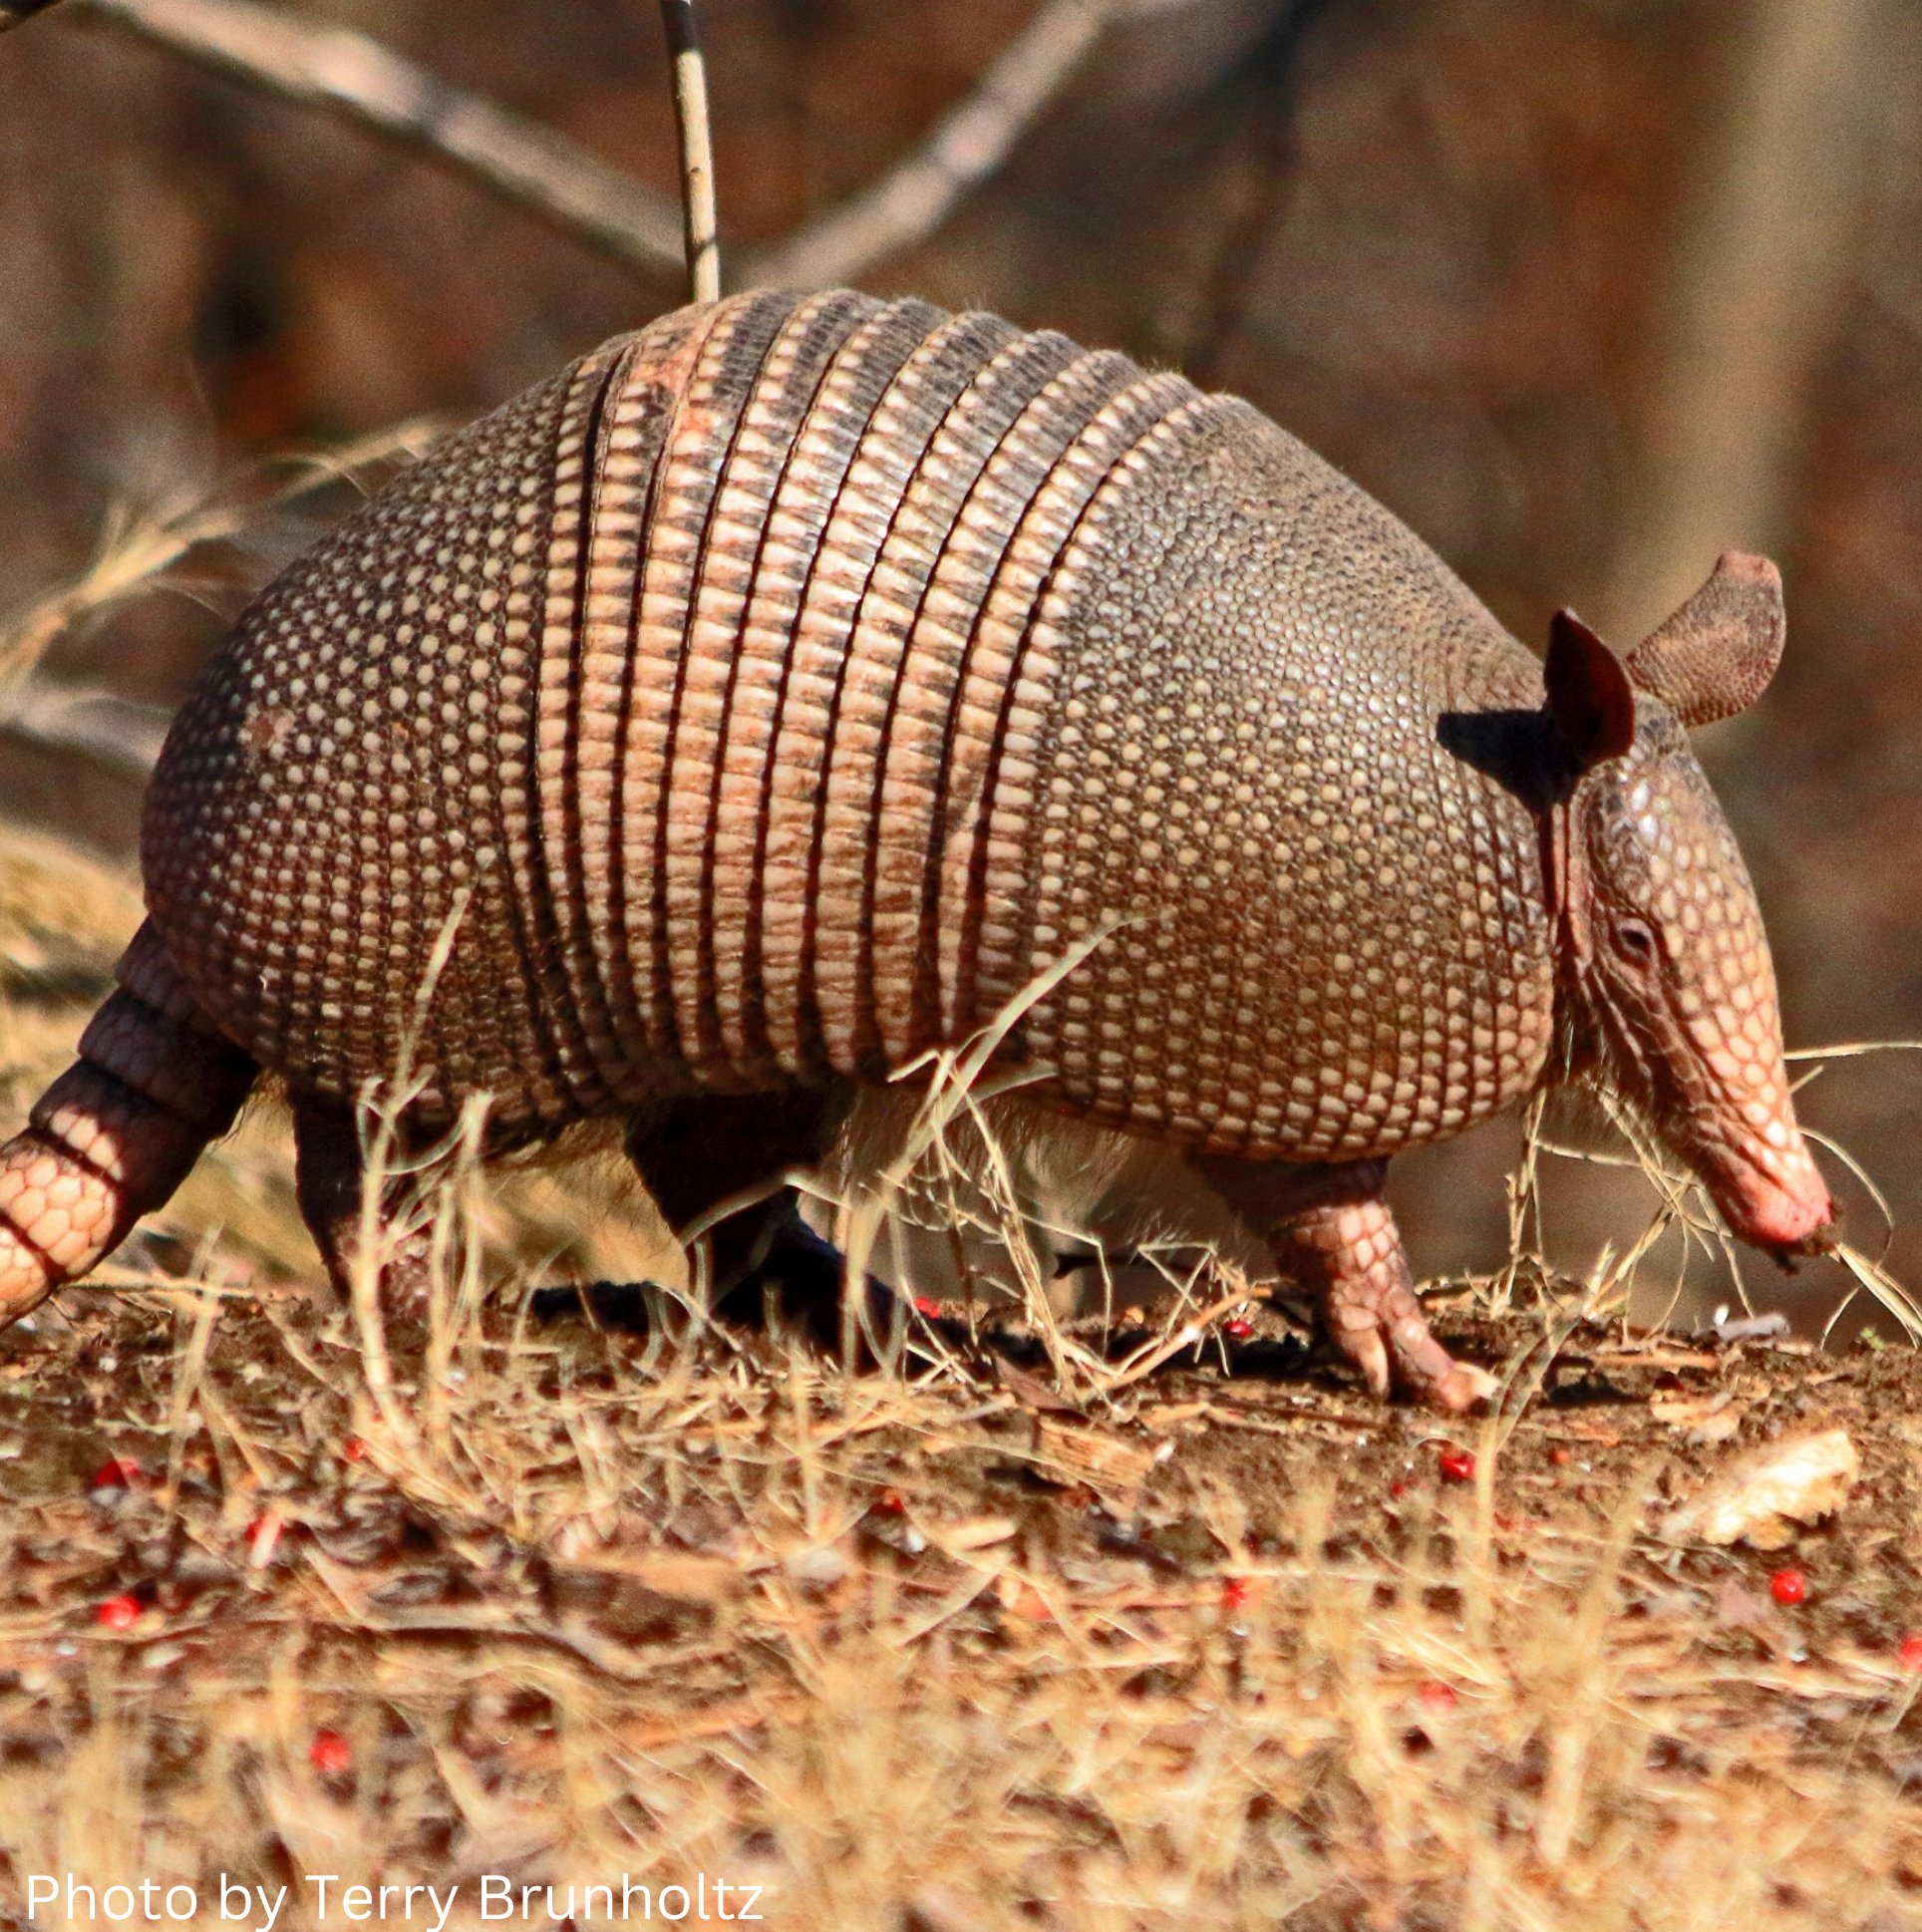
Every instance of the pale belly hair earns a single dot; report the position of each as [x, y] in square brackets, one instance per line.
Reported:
[1011, 1191]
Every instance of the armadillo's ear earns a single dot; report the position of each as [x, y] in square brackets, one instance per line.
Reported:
[1591, 704]
[1715, 654]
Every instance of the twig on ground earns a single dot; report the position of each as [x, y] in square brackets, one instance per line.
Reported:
[356, 77]
[699, 219]
[911, 201]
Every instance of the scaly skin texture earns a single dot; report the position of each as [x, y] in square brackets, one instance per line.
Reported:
[779, 691]
[116, 1132]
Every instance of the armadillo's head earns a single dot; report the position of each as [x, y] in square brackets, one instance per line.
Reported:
[1666, 988]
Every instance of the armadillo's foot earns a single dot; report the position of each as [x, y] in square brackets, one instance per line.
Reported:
[1349, 1256]
[330, 1185]
[1332, 1233]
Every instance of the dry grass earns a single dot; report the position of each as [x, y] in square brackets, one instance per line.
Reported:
[901, 1647]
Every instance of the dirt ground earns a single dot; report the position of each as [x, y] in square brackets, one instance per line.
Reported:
[937, 1647]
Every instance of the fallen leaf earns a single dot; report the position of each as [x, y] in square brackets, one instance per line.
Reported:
[1031, 1392]
[1762, 1498]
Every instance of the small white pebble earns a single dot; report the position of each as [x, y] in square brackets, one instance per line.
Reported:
[109, 1363]
[819, 1568]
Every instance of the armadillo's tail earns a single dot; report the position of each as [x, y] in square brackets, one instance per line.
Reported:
[115, 1134]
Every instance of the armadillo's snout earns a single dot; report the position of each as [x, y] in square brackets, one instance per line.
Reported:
[1775, 1200]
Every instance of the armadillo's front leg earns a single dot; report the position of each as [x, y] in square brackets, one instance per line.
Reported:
[1332, 1233]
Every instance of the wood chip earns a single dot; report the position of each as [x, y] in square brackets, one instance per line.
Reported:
[978, 1533]
[1113, 1466]
[1706, 1419]
[667, 1572]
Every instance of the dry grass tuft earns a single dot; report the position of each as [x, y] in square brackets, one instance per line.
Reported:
[905, 1646]
[145, 548]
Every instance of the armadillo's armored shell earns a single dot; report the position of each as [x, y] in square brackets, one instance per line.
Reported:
[774, 693]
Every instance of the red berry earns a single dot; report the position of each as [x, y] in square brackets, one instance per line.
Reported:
[1908, 1652]
[928, 1306]
[117, 1613]
[330, 1754]
[1457, 1465]
[117, 1473]
[1399, 1486]
[1437, 1696]
[353, 1449]
[888, 1503]
[1789, 1586]
[1559, 1457]
[1239, 1329]
[1237, 1592]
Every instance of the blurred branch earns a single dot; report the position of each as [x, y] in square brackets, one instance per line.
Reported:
[914, 199]
[13, 12]
[355, 77]
[348, 75]
[699, 222]
[113, 733]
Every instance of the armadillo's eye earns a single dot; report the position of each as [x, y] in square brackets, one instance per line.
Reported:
[1637, 941]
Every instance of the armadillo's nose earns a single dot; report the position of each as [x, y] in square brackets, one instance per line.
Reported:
[1783, 1206]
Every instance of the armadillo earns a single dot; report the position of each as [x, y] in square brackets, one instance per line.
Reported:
[803, 682]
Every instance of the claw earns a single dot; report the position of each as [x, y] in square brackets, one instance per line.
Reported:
[1466, 1386]
[1350, 1255]
[1332, 1233]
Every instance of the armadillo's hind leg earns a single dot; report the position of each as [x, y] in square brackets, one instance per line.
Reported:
[115, 1135]
[1332, 1233]
[696, 1153]
[330, 1185]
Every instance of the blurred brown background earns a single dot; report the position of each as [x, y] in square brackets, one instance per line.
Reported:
[1586, 290]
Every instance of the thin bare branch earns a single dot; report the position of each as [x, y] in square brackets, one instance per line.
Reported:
[348, 75]
[698, 220]
[911, 201]
[112, 732]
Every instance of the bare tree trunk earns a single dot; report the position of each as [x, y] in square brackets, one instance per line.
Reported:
[1766, 245]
